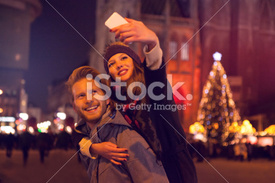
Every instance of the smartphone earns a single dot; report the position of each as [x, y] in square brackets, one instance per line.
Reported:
[115, 20]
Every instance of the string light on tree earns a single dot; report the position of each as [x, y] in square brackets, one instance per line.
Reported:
[217, 56]
[217, 108]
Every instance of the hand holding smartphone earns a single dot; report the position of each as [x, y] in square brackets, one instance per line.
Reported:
[115, 20]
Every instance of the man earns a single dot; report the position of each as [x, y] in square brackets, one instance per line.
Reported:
[102, 123]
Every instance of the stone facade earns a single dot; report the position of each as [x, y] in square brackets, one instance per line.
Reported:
[16, 18]
[175, 23]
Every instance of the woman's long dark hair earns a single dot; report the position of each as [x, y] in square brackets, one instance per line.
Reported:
[147, 128]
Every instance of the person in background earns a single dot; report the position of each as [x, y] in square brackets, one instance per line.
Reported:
[63, 141]
[44, 144]
[9, 140]
[26, 141]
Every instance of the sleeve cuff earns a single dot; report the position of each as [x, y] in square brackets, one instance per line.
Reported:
[153, 57]
[85, 145]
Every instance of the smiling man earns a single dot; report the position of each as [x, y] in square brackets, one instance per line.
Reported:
[89, 110]
[102, 123]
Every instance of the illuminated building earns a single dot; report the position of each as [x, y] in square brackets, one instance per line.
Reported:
[16, 17]
[175, 23]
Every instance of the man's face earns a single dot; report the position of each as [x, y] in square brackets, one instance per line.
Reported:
[86, 103]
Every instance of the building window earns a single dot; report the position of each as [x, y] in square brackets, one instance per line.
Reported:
[180, 8]
[266, 16]
[184, 52]
[173, 50]
[152, 7]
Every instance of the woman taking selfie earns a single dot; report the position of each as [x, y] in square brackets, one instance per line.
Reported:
[160, 128]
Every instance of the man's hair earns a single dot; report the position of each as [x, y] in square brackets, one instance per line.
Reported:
[82, 73]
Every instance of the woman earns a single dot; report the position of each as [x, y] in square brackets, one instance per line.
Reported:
[121, 62]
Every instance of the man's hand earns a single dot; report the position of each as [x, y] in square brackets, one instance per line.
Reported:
[135, 31]
[110, 151]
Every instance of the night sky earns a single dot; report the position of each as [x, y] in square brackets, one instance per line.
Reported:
[55, 48]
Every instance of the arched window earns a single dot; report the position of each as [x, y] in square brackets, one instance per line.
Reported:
[184, 50]
[266, 15]
[173, 48]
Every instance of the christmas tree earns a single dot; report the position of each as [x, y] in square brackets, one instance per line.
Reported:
[217, 108]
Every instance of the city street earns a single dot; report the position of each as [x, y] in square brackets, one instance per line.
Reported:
[60, 167]
[222, 171]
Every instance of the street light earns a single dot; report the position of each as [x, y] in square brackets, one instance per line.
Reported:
[24, 116]
[61, 115]
[1, 92]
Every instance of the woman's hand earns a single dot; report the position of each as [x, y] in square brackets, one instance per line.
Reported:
[110, 151]
[135, 31]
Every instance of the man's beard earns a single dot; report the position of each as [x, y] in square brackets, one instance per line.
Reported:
[82, 116]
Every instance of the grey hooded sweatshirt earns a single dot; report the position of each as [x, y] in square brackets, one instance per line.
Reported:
[141, 166]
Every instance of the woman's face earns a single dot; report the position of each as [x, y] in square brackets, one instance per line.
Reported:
[121, 65]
